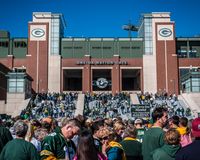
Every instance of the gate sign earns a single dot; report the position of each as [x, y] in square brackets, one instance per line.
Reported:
[165, 32]
[140, 111]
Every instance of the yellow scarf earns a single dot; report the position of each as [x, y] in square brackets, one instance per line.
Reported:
[129, 139]
[116, 144]
[182, 130]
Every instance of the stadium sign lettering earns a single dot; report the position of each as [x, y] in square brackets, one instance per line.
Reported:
[38, 32]
[101, 62]
[165, 32]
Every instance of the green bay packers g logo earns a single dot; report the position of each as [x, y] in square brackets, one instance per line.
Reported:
[102, 83]
[38, 32]
[165, 32]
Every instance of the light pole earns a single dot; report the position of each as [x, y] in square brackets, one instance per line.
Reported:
[190, 77]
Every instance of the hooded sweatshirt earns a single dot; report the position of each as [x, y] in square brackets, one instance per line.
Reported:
[166, 152]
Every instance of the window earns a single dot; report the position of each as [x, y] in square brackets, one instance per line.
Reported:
[4, 44]
[20, 44]
[125, 47]
[135, 47]
[77, 47]
[16, 85]
[96, 47]
[107, 47]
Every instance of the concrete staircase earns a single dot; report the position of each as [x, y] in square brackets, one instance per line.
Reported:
[2, 107]
[15, 103]
[80, 104]
[134, 98]
[21, 107]
[192, 100]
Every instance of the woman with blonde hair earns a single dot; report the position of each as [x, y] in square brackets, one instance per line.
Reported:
[111, 148]
[118, 128]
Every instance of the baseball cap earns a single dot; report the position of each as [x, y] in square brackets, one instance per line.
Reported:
[196, 127]
[138, 121]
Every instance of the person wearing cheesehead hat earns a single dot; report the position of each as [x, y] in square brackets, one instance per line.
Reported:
[191, 151]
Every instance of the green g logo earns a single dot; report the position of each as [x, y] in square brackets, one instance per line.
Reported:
[38, 32]
[165, 32]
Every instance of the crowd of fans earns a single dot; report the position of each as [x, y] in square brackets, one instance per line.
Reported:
[101, 133]
[56, 105]
[106, 105]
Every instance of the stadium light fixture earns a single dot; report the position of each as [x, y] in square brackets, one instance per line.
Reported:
[130, 27]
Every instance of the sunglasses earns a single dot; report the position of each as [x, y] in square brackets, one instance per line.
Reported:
[104, 138]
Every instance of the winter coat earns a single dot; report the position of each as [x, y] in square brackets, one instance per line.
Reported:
[115, 151]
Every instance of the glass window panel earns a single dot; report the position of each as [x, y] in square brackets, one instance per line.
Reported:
[20, 89]
[147, 44]
[55, 45]
[147, 50]
[12, 84]
[20, 84]
[195, 89]
[11, 89]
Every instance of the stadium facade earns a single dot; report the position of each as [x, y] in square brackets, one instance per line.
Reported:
[47, 61]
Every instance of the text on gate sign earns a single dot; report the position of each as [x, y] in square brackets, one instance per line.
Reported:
[101, 62]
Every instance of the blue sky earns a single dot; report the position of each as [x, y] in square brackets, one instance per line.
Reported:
[99, 18]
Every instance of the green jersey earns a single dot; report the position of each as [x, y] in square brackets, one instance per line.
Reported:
[140, 134]
[132, 148]
[153, 139]
[56, 146]
[19, 149]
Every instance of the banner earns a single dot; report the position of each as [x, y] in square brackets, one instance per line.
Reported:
[140, 111]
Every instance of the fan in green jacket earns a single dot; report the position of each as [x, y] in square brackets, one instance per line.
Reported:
[169, 150]
[131, 146]
[153, 138]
